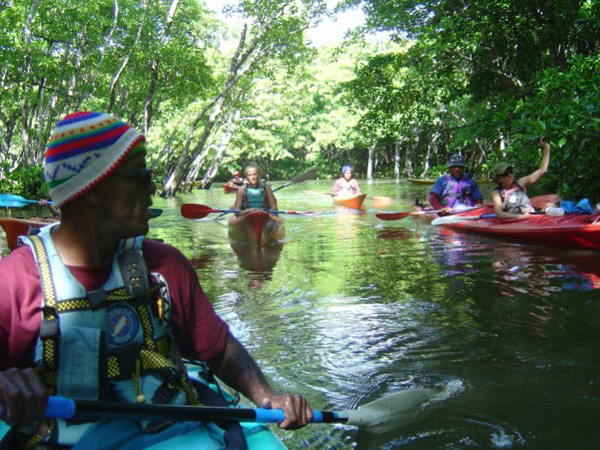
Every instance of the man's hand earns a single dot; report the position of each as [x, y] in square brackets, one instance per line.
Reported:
[298, 412]
[24, 397]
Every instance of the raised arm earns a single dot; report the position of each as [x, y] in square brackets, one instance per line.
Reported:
[533, 178]
[235, 366]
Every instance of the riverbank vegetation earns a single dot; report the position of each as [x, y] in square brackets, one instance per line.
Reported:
[484, 78]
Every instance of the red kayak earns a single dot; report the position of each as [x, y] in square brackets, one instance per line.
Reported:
[257, 228]
[230, 188]
[353, 201]
[14, 227]
[580, 231]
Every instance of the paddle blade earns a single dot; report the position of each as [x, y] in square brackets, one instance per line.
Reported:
[389, 411]
[458, 218]
[15, 201]
[195, 211]
[156, 212]
[381, 202]
[310, 175]
[394, 216]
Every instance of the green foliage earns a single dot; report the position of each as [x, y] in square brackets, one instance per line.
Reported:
[26, 181]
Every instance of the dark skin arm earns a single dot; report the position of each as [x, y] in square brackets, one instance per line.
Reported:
[235, 366]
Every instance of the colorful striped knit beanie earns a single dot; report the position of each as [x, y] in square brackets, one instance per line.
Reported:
[86, 147]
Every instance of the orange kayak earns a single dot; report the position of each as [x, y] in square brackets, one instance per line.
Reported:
[14, 227]
[257, 228]
[353, 201]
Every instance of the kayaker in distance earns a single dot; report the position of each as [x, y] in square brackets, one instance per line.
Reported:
[456, 190]
[346, 186]
[510, 196]
[109, 312]
[255, 192]
[236, 180]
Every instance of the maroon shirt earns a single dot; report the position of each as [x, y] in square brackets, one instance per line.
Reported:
[197, 329]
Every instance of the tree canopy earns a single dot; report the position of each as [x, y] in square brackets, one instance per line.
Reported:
[482, 78]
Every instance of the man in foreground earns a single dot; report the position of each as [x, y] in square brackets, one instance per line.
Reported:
[92, 311]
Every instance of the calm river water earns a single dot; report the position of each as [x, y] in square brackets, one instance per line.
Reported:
[350, 308]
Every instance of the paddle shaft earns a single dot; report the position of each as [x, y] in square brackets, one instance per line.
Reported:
[65, 408]
[196, 211]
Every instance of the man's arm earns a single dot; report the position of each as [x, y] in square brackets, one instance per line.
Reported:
[237, 368]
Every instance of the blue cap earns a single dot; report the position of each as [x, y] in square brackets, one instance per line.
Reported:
[456, 161]
[346, 169]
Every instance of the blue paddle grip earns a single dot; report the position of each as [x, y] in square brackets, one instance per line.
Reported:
[264, 415]
[60, 408]
[57, 408]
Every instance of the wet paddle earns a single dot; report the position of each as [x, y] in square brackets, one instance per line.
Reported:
[539, 201]
[16, 201]
[156, 212]
[387, 410]
[403, 214]
[196, 211]
[310, 175]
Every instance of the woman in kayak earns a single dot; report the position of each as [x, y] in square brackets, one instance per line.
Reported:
[255, 193]
[509, 196]
[346, 186]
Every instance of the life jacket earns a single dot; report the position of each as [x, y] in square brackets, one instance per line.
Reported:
[347, 187]
[514, 200]
[255, 197]
[111, 344]
[457, 193]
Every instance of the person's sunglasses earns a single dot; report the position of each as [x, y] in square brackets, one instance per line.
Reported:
[143, 176]
[507, 173]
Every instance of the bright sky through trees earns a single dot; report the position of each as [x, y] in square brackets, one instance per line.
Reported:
[329, 31]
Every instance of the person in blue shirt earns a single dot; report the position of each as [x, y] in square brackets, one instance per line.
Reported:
[455, 190]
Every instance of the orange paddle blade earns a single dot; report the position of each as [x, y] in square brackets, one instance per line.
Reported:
[196, 211]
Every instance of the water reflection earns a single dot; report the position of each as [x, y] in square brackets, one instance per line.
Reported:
[355, 308]
[259, 261]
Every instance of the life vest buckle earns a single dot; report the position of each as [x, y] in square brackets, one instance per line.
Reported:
[97, 298]
[134, 273]
[49, 329]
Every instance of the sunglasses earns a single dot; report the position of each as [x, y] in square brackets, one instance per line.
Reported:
[507, 173]
[142, 176]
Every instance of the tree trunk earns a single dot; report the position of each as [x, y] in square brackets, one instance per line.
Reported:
[117, 75]
[92, 87]
[241, 63]
[164, 34]
[397, 147]
[432, 144]
[370, 163]
[214, 167]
